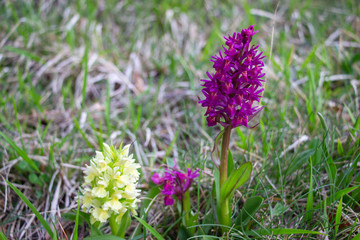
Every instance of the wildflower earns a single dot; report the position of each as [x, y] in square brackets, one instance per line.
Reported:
[230, 93]
[110, 184]
[175, 182]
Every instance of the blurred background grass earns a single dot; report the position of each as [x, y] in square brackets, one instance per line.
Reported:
[74, 74]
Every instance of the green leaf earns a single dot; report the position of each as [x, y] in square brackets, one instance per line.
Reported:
[217, 191]
[350, 114]
[357, 237]
[2, 236]
[323, 123]
[24, 53]
[173, 141]
[107, 109]
[104, 237]
[280, 231]
[138, 118]
[310, 199]
[340, 148]
[242, 142]
[338, 216]
[34, 179]
[331, 170]
[85, 217]
[150, 228]
[20, 152]
[251, 206]
[309, 58]
[279, 209]
[235, 180]
[95, 231]
[357, 123]
[330, 165]
[336, 196]
[33, 209]
[350, 174]
[356, 193]
[75, 235]
[184, 234]
[124, 224]
[342, 192]
[71, 216]
[77, 126]
[230, 163]
[85, 62]
[299, 160]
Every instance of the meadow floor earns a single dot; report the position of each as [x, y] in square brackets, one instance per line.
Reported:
[75, 74]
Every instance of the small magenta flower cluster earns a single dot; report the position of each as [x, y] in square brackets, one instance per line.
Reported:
[175, 183]
[236, 84]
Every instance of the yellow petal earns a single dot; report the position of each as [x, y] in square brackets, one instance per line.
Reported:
[99, 192]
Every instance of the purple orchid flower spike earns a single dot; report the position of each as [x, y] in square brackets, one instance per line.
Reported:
[175, 183]
[230, 93]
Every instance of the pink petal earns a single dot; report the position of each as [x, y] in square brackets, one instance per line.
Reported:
[157, 179]
[168, 200]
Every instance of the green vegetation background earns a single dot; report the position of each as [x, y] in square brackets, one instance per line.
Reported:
[74, 74]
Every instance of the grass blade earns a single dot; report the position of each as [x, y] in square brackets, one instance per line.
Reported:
[33, 209]
[338, 216]
[85, 66]
[336, 196]
[2, 236]
[281, 231]
[107, 109]
[151, 229]
[24, 53]
[77, 126]
[75, 236]
[20, 152]
[310, 199]
[323, 122]
[104, 237]
[168, 151]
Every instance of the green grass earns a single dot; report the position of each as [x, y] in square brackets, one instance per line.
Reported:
[76, 74]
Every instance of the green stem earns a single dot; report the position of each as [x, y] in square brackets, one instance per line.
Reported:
[225, 205]
[186, 208]
[114, 226]
[224, 155]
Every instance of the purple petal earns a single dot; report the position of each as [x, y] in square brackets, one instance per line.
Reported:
[238, 75]
[157, 179]
[168, 200]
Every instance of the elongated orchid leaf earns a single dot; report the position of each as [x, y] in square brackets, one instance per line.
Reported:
[251, 206]
[235, 180]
